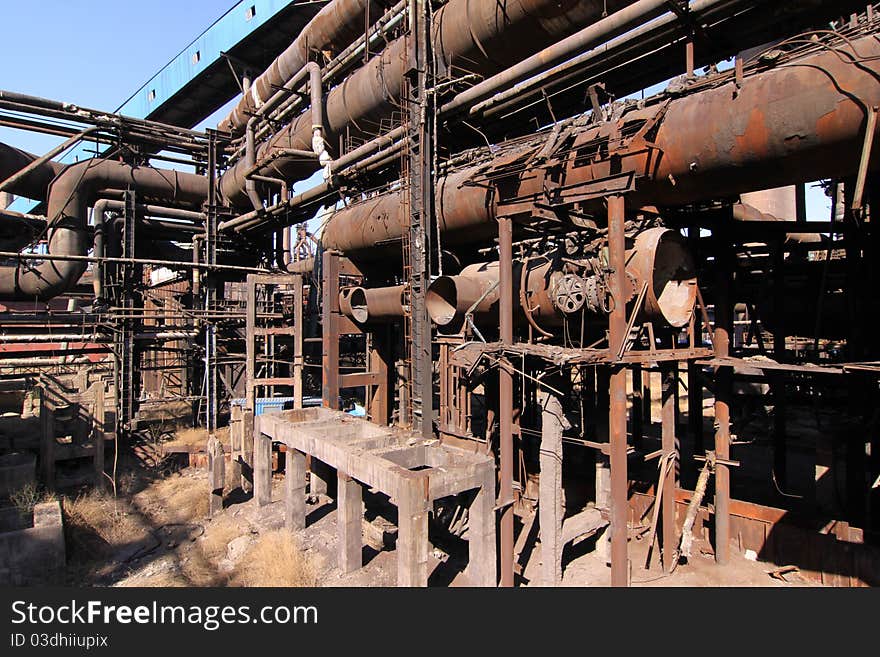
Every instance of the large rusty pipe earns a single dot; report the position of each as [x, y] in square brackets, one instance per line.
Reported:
[801, 121]
[474, 291]
[609, 27]
[333, 28]
[798, 122]
[371, 305]
[480, 36]
[657, 260]
[69, 197]
[35, 184]
[465, 213]
[316, 94]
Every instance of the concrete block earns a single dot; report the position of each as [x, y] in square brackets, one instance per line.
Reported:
[17, 470]
[34, 555]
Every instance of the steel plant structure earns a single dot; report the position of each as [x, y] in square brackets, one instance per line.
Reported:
[515, 246]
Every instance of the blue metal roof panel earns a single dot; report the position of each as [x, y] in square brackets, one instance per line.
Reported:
[229, 30]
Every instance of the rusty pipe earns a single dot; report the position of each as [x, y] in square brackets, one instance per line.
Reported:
[611, 26]
[657, 257]
[44, 160]
[473, 292]
[370, 305]
[319, 149]
[69, 197]
[801, 121]
[35, 182]
[333, 28]
[481, 36]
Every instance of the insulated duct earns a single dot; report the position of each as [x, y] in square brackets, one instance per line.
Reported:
[372, 305]
[801, 121]
[658, 262]
[475, 36]
[333, 28]
[36, 183]
[69, 197]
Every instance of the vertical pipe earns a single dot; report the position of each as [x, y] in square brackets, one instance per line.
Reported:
[637, 405]
[723, 376]
[298, 319]
[617, 411]
[330, 310]
[668, 444]
[780, 457]
[100, 244]
[689, 57]
[505, 398]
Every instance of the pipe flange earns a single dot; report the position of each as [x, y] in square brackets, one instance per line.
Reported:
[569, 293]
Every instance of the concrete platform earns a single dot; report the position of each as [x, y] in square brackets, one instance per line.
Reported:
[410, 471]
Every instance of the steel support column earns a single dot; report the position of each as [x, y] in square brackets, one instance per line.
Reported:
[421, 191]
[617, 393]
[723, 393]
[505, 398]
[670, 451]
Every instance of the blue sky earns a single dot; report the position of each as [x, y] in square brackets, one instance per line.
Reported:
[94, 53]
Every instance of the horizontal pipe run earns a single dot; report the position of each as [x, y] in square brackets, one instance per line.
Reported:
[639, 35]
[464, 33]
[716, 142]
[590, 36]
[43, 160]
[251, 219]
[97, 338]
[333, 28]
[170, 264]
[35, 184]
[371, 305]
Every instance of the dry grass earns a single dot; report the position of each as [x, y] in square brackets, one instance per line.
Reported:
[274, 559]
[199, 436]
[217, 536]
[101, 514]
[178, 498]
[28, 496]
[158, 581]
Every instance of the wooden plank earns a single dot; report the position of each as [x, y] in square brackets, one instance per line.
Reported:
[276, 381]
[358, 379]
[274, 330]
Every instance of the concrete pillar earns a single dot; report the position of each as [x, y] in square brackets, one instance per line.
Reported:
[412, 535]
[295, 490]
[319, 477]
[481, 533]
[247, 448]
[98, 433]
[262, 466]
[47, 442]
[349, 522]
[550, 503]
[236, 425]
[216, 475]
